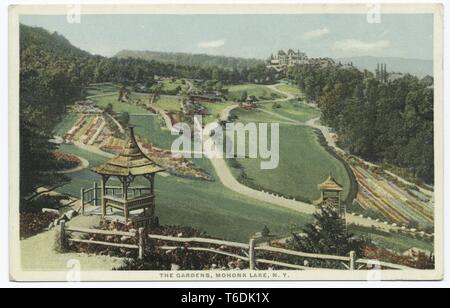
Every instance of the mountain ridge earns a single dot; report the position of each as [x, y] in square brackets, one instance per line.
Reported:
[191, 59]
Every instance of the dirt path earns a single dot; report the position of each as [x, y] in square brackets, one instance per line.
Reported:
[225, 114]
[122, 130]
[92, 149]
[165, 117]
[273, 87]
[38, 254]
[229, 181]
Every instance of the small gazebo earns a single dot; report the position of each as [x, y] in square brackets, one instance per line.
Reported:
[331, 195]
[128, 165]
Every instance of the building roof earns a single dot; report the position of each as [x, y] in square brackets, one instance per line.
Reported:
[132, 161]
[330, 184]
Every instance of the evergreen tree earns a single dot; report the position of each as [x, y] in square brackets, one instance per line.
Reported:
[327, 235]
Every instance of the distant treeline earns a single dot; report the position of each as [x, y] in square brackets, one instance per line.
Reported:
[199, 60]
[388, 123]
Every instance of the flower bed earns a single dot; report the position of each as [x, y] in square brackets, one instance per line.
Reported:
[67, 161]
[34, 223]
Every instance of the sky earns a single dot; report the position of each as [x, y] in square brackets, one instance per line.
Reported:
[248, 36]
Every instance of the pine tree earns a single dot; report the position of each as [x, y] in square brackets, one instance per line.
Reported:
[327, 235]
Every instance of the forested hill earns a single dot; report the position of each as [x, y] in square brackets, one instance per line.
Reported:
[51, 76]
[54, 43]
[191, 59]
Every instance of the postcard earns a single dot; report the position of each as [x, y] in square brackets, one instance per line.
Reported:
[218, 142]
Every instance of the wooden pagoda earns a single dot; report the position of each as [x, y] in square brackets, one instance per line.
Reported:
[128, 165]
[331, 195]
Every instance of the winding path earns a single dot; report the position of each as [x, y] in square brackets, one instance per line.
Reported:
[229, 181]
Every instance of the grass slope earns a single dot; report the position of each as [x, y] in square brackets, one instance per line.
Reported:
[149, 127]
[294, 110]
[259, 91]
[304, 164]
[111, 98]
[289, 89]
[169, 103]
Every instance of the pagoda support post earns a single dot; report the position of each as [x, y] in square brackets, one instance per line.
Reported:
[104, 180]
[152, 192]
[125, 184]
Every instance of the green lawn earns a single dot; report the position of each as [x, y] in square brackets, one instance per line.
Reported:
[289, 89]
[259, 91]
[66, 123]
[304, 164]
[169, 103]
[149, 127]
[101, 88]
[294, 110]
[103, 101]
[214, 110]
[257, 116]
[168, 85]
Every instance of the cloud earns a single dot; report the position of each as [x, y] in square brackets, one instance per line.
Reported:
[316, 34]
[357, 45]
[212, 44]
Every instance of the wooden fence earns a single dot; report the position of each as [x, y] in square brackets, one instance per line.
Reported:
[64, 238]
[249, 250]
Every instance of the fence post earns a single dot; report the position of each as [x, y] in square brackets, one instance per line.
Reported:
[352, 260]
[251, 254]
[82, 201]
[62, 235]
[141, 243]
[95, 194]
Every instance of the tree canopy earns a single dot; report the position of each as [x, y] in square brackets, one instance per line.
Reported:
[382, 122]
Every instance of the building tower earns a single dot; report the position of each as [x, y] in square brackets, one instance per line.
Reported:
[381, 73]
[331, 196]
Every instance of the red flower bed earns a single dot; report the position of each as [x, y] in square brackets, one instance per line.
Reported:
[419, 261]
[67, 161]
[34, 223]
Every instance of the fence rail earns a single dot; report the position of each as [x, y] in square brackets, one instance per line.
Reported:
[140, 235]
[349, 262]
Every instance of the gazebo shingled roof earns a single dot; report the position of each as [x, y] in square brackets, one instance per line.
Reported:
[131, 162]
[330, 184]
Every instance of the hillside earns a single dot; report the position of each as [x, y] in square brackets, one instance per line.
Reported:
[420, 68]
[191, 59]
[53, 44]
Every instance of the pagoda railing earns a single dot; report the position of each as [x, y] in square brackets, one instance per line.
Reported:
[131, 204]
[92, 196]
